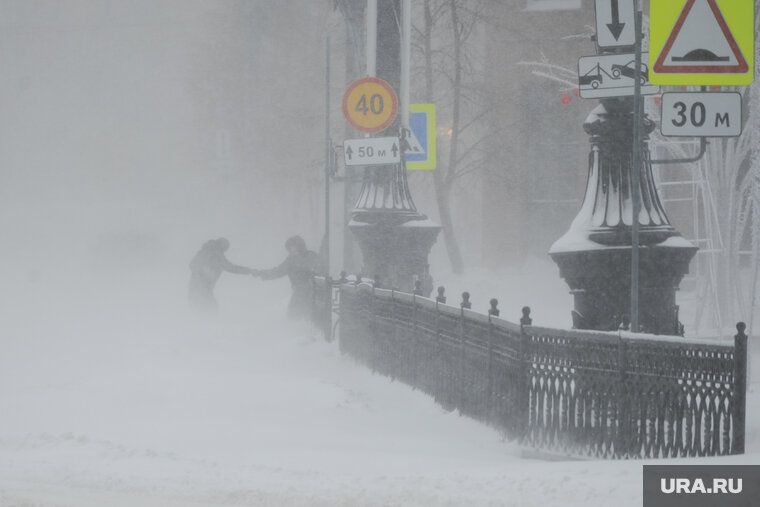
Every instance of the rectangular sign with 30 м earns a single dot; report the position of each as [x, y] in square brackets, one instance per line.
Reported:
[702, 114]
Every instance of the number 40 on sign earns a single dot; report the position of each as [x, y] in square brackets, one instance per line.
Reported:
[370, 105]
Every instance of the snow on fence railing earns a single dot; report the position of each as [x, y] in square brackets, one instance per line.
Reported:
[590, 393]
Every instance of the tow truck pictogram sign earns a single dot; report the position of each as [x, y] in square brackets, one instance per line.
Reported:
[701, 42]
[612, 76]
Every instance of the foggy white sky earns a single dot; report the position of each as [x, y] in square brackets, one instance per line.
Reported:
[95, 123]
[105, 131]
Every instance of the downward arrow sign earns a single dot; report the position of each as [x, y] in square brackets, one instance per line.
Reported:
[616, 27]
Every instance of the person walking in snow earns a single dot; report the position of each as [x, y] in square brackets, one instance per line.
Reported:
[300, 265]
[206, 268]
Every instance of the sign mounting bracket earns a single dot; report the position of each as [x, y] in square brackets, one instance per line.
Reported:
[702, 149]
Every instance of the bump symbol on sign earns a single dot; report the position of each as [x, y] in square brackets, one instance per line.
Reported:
[701, 42]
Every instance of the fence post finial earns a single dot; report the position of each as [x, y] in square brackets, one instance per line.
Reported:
[417, 288]
[493, 310]
[441, 298]
[343, 277]
[525, 320]
[466, 300]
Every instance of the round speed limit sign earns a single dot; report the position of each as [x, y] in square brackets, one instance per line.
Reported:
[370, 105]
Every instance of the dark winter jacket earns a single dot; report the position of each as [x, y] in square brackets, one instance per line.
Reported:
[209, 263]
[298, 267]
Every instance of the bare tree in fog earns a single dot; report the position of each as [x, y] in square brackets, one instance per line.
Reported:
[445, 44]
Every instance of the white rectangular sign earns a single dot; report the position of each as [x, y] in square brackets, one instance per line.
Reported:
[702, 114]
[371, 151]
[612, 76]
[614, 23]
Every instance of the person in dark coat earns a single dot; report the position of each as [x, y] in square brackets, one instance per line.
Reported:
[300, 265]
[206, 268]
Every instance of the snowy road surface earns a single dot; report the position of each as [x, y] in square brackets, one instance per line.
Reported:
[121, 403]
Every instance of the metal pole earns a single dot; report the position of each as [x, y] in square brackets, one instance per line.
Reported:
[328, 158]
[636, 178]
[755, 192]
[371, 38]
[406, 49]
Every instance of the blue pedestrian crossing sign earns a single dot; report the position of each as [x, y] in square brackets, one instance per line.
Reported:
[419, 138]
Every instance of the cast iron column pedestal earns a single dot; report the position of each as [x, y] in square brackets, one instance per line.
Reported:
[395, 239]
[594, 255]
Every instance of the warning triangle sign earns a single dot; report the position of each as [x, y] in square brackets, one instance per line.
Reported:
[701, 43]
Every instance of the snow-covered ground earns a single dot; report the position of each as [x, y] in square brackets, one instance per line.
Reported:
[128, 400]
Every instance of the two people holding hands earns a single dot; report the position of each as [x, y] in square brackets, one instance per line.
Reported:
[299, 266]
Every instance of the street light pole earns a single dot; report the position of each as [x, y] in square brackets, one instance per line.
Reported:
[636, 177]
[406, 48]
[394, 237]
[621, 199]
[328, 158]
[371, 38]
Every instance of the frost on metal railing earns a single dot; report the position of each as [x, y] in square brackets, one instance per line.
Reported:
[610, 395]
[590, 393]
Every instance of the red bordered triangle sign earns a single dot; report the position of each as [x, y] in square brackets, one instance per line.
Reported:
[701, 43]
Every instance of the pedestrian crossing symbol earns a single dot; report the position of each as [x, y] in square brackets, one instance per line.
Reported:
[419, 137]
[701, 42]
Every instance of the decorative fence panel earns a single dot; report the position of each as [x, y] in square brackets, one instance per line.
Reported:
[598, 394]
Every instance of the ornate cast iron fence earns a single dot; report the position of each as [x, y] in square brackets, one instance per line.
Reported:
[600, 394]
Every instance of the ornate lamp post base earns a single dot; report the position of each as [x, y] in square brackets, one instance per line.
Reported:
[397, 253]
[594, 256]
[600, 281]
